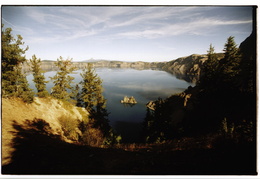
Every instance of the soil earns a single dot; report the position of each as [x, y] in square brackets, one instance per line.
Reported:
[30, 147]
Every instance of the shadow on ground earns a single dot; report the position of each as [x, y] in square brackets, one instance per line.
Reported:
[37, 151]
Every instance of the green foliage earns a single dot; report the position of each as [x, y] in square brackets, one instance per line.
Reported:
[218, 99]
[230, 63]
[91, 88]
[93, 99]
[62, 80]
[210, 68]
[12, 53]
[14, 83]
[39, 78]
[78, 96]
[112, 138]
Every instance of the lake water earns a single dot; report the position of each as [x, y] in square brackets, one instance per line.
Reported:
[144, 85]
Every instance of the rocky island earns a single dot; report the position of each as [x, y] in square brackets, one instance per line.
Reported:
[129, 100]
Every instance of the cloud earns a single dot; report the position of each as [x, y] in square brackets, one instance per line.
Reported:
[60, 24]
[196, 26]
[17, 28]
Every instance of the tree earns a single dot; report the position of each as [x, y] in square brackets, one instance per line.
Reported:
[147, 126]
[210, 68]
[230, 62]
[78, 96]
[14, 82]
[90, 88]
[39, 78]
[62, 80]
[93, 99]
[22, 87]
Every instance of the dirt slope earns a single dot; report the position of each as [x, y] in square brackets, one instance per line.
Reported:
[48, 109]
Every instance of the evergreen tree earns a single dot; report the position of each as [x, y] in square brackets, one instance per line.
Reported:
[147, 131]
[78, 96]
[230, 62]
[210, 69]
[22, 87]
[93, 100]
[90, 88]
[39, 78]
[62, 80]
[101, 114]
[14, 82]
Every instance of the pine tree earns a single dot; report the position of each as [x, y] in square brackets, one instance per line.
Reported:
[230, 62]
[210, 68]
[78, 96]
[14, 82]
[90, 88]
[101, 114]
[93, 99]
[148, 126]
[62, 80]
[12, 58]
[22, 87]
[39, 78]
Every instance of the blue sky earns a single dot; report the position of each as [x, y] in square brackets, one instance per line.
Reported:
[126, 33]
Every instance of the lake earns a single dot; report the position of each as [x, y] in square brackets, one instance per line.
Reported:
[144, 85]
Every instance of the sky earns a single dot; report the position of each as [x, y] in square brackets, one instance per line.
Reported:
[126, 33]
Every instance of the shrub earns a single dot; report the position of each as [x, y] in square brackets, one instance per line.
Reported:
[93, 137]
[70, 127]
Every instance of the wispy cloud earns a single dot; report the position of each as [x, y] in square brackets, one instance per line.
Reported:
[19, 29]
[68, 23]
[197, 26]
[128, 32]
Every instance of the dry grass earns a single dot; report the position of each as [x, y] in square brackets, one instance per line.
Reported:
[49, 109]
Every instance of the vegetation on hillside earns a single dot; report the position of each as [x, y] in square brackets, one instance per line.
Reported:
[94, 126]
[222, 103]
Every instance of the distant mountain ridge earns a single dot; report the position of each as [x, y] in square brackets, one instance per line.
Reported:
[187, 68]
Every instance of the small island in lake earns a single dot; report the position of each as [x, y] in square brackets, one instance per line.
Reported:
[129, 100]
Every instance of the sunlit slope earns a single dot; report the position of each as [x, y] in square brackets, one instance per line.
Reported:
[15, 111]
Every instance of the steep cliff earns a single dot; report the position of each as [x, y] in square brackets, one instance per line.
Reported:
[187, 68]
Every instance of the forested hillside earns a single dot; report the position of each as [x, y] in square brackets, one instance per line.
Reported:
[223, 102]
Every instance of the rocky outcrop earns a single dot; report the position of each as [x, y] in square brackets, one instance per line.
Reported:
[129, 100]
[187, 68]
[151, 105]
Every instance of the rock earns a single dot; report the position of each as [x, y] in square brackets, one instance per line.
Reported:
[129, 100]
[151, 105]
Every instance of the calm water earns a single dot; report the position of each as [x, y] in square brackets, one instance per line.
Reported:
[144, 85]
